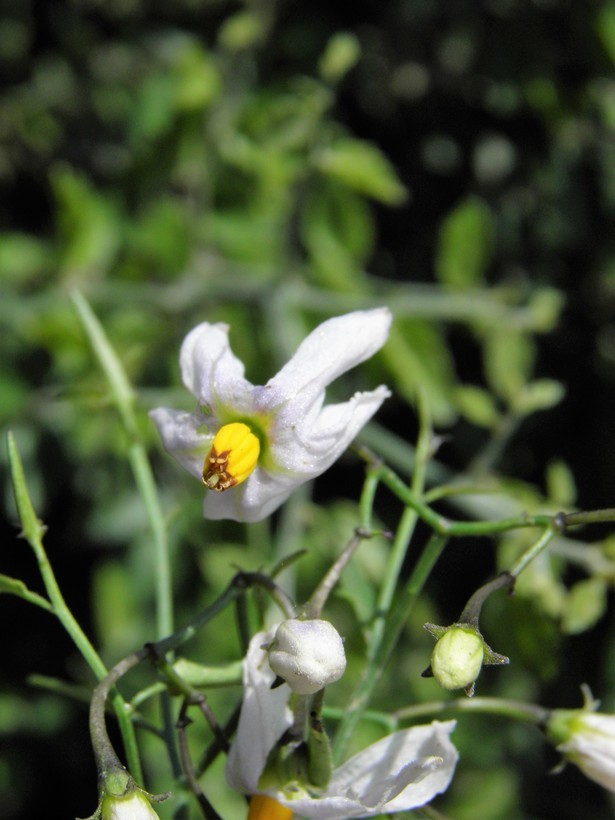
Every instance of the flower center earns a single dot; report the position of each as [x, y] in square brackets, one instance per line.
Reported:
[263, 807]
[233, 456]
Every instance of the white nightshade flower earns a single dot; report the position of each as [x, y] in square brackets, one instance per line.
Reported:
[253, 445]
[402, 771]
[307, 654]
[586, 739]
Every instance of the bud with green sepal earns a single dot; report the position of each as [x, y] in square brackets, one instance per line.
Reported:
[459, 655]
[586, 738]
[122, 799]
[461, 651]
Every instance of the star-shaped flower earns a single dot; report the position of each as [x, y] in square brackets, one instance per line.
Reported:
[253, 445]
[402, 771]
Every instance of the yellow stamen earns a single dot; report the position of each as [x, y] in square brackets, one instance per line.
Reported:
[266, 808]
[233, 456]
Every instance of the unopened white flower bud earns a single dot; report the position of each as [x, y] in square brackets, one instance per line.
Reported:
[132, 806]
[587, 739]
[307, 654]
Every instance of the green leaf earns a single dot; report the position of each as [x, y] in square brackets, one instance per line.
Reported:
[508, 361]
[153, 111]
[605, 27]
[22, 257]
[561, 487]
[418, 357]
[363, 167]
[477, 405]
[541, 394]
[465, 244]
[337, 231]
[586, 603]
[32, 528]
[89, 224]
[342, 53]
[241, 31]
[198, 79]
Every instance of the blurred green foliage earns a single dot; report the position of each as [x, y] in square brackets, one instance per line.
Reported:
[269, 165]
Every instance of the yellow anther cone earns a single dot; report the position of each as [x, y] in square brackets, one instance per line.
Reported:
[263, 807]
[233, 456]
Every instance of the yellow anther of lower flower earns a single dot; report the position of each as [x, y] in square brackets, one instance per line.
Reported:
[263, 807]
[233, 456]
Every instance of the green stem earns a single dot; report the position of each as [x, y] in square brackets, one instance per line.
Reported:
[376, 654]
[445, 526]
[515, 710]
[605, 516]
[238, 586]
[319, 597]
[123, 398]
[106, 759]
[33, 531]
[368, 493]
[144, 479]
[539, 546]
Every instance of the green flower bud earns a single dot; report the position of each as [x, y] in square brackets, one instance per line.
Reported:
[457, 658]
[459, 655]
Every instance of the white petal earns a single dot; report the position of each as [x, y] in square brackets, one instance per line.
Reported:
[299, 453]
[310, 446]
[402, 771]
[264, 718]
[255, 499]
[592, 748]
[331, 349]
[133, 807]
[185, 436]
[211, 371]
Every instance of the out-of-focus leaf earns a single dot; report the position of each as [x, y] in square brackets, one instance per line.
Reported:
[23, 258]
[585, 604]
[337, 230]
[476, 405]
[362, 166]
[417, 357]
[541, 394]
[198, 80]
[116, 607]
[340, 55]
[336, 210]
[241, 31]
[465, 244]
[605, 27]
[508, 360]
[89, 225]
[154, 108]
[159, 241]
[561, 487]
